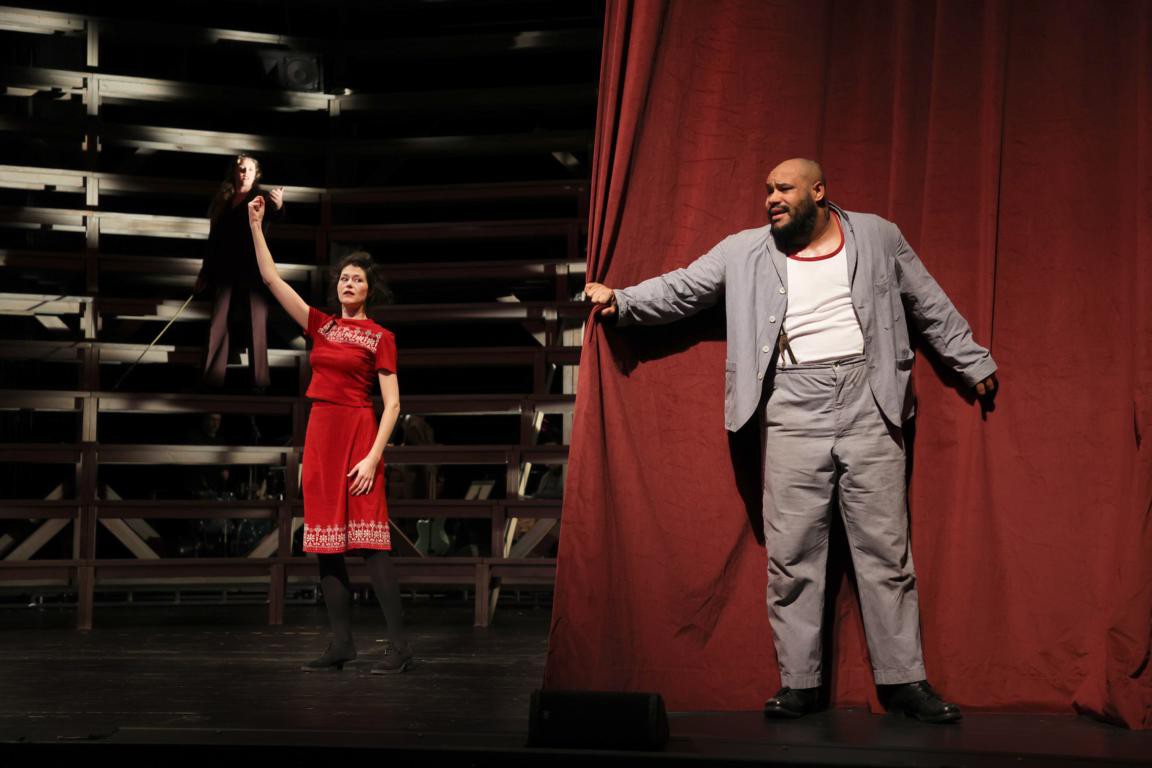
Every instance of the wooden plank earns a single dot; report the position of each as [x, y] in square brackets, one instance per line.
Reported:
[167, 309]
[41, 22]
[190, 454]
[535, 508]
[490, 312]
[177, 509]
[513, 190]
[120, 352]
[41, 304]
[215, 454]
[170, 402]
[24, 177]
[180, 509]
[128, 88]
[481, 270]
[162, 138]
[54, 573]
[40, 453]
[456, 45]
[437, 508]
[173, 265]
[454, 230]
[153, 309]
[181, 571]
[74, 179]
[111, 222]
[125, 88]
[18, 258]
[204, 142]
[41, 400]
[468, 145]
[486, 98]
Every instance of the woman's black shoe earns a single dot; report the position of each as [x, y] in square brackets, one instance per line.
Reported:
[394, 662]
[332, 660]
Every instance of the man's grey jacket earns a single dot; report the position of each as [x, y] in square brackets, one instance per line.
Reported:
[751, 273]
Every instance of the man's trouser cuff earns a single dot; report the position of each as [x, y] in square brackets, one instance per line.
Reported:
[898, 676]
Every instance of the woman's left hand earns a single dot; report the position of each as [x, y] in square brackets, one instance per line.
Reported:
[362, 476]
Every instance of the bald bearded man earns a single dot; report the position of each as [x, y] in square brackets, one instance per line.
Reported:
[818, 348]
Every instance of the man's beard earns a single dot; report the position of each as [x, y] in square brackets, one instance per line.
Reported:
[797, 233]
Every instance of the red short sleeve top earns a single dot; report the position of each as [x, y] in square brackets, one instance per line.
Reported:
[345, 357]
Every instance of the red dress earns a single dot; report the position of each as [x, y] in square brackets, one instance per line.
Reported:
[346, 354]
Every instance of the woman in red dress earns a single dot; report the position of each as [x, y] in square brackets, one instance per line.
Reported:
[344, 506]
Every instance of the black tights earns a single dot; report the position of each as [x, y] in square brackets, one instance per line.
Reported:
[338, 595]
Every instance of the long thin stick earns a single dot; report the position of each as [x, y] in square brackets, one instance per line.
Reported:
[146, 349]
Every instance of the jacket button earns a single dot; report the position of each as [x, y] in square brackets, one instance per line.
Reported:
[782, 289]
[765, 349]
[772, 318]
[760, 376]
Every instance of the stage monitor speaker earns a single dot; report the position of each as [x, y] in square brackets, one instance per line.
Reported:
[598, 720]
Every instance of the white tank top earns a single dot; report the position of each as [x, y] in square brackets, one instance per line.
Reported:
[820, 322]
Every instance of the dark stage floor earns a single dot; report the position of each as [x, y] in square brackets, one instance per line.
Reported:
[214, 679]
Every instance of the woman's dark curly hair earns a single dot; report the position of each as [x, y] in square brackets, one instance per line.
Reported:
[378, 291]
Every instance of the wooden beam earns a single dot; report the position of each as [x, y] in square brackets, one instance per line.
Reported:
[39, 304]
[268, 545]
[528, 542]
[137, 546]
[35, 541]
[41, 22]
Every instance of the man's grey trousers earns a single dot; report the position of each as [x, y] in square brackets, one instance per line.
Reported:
[823, 436]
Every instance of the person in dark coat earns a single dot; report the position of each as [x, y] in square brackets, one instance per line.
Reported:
[240, 300]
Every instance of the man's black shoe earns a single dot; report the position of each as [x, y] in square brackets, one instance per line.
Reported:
[918, 700]
[793, 702]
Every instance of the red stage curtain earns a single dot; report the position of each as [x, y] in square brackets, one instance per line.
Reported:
[1010, 142]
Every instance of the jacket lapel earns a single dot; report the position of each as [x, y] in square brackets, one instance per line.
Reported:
[849, 243]
[779, 261]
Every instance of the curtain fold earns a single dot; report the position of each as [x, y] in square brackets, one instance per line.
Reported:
[1009, 141]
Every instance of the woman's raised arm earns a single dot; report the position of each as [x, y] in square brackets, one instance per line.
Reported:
[295, 306]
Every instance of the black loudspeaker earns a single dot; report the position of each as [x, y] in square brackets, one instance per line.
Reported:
[294, 71]
[598, 720]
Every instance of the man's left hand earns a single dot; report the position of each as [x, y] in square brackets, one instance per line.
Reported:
[987, 387]
[277, 197]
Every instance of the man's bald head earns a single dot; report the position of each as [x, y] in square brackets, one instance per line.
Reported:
[800, 168]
